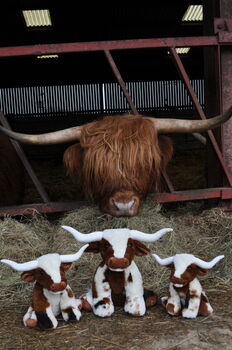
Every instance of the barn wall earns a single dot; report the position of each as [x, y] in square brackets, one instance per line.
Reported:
[168, 95]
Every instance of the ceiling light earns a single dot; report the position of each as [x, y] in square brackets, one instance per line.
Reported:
[182, 50]
[37, 18]
[193, 13]
[47, 56]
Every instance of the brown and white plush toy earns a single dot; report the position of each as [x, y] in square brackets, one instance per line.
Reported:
[186, 296]
[51, 294]
[117, 280]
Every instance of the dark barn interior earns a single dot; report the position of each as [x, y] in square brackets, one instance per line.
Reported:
[45, 94]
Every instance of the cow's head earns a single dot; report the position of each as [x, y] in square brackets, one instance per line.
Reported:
[119, 159]
[48, 270]
[117, 246]
[186, 267]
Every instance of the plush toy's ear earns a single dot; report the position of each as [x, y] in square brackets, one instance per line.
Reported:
[201, 271]
[140, 249]
[28, 276]
[94, 247]
[170, 266]
[65, 266]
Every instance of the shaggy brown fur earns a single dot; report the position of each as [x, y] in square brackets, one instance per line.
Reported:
[118, 152]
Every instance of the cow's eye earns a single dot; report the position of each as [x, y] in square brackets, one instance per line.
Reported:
[130, 245]
[106, 245]
[42, 272]
[189, 268]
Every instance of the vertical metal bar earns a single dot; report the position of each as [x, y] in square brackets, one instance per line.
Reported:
[199, 110]
[26, 163]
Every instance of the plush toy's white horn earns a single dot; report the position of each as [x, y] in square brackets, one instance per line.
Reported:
[27, 266]
[149, 237]
[207, 265]
[163, 262]
[84, 237]
[68, 258]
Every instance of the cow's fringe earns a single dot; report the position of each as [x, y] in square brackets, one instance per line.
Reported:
[119, 152]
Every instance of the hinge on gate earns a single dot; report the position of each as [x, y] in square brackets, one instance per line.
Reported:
[222, 25]
[223, 28]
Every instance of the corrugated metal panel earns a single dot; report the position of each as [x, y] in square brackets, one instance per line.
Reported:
[98, 98]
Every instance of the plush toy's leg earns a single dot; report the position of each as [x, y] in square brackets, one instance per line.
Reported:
[29, 319]
[135, 303]
[70, 306]
[46, 319]
[205, 308]
[172, 303]
[173, 307]
[192, 308]
[87, 301]
[101, 294]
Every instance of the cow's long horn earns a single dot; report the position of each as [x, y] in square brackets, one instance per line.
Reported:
[164, 262]
[190, 126]
[68, 258]
[149, 237]
[84, 237]
[207, 265]
[51, 138]
[27, 266]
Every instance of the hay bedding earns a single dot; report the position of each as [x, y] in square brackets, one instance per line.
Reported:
[203, 233]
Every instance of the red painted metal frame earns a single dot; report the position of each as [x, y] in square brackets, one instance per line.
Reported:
[111, 45]
[222, 39]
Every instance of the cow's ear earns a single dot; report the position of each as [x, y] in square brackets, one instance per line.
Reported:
[141, 249]
[65, 266]
[94, 247]
[201, 271]
[28, 276]
[73, 159]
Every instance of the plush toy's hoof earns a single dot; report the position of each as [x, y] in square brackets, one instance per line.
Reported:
[85, 305]
[31, 323]
[150, 298]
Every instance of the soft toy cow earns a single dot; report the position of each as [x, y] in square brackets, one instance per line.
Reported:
[117, 280]
[51, 294]
[186, 296]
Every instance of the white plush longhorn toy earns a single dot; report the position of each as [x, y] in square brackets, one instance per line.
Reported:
[186, 296]
[117, 280]
[51, 294]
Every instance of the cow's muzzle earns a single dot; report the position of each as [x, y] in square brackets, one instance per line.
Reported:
[58, 287]
[118, 263]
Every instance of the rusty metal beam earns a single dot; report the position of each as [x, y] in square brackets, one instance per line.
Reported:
[112, 45]
[43, 194]
[189, 195]
[120, 80]
[50, 207]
